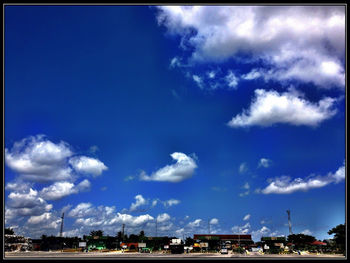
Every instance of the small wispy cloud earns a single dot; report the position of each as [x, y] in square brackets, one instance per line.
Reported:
[264, 162]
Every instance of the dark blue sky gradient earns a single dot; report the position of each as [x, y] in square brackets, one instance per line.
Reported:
[99, 75]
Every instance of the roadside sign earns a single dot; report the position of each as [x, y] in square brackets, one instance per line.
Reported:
[166, 246]
[176, 241]
[141, 245]
[82, 244]
[203, 244]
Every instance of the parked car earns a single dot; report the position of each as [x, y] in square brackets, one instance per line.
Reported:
[224, 251]
[145, 250]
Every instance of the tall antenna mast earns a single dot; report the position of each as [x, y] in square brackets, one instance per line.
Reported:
[289, 223]
[123, 227]
[61, 231]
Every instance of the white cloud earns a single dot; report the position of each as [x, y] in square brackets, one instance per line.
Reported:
[181, 170]
[285, 185]
[246, 217]
[180, 232]
[18, 186]
[231, 80]
[83, 186]
[246, 186]
[88, 165]
[339, 175]
[307, 232]
[264, 162]
[82, 210]
[242, 229]
[66, 208]
[171, 202]
[198, 80]
[39, 219]
[263, 231]
[167, 227]
[176, 62]
[140, 201]
[244, 193]
[94, 149]
[72, 233]
[154, 203]
[59, 190]
[163, 218]
[129, 178]
[243, 168]
[254, 74]
[211, 74]
[119, 218]
[303, 43]
[195, 223]
[27, 199]
[214, 221]
[37, 159]
[270, 107]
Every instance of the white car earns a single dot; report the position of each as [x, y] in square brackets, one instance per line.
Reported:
[224, 251]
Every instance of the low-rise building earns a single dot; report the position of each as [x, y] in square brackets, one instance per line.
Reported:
[17, 243]
[229, 241]
[273, 244]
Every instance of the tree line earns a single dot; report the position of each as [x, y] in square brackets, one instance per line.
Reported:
[300, 241]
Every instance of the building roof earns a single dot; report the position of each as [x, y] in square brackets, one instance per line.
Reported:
[222, 237]
[318, 243]
[273, 238]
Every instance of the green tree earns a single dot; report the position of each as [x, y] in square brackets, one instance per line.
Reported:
[301, 240]
[133, 238]
[339, 236]
[96, 233]
[189, 241]
[9, 231]
[142, 236]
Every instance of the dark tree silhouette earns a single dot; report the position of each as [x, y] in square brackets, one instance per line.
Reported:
[9, 231]
[301, 240]
[339, 236]
[96, 233]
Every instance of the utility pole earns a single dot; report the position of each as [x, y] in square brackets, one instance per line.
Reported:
[61, 231]
[208, 226]
[289, 223]
[123, 227]
[156, 227]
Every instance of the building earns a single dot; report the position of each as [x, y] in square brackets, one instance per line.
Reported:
[96, 242]
[230, 241]
[17, 243]
[273, 244]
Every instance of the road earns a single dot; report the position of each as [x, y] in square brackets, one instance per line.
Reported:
[42, 254]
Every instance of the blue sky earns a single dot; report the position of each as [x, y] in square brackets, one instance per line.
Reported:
[176, 116]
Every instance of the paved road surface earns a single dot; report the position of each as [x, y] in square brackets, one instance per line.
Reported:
[41, 254]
